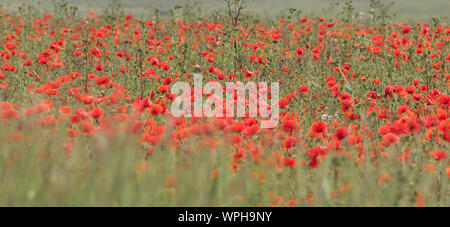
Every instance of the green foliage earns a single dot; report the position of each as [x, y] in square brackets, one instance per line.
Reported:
[115, 168]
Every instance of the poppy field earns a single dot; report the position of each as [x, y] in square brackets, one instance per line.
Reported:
[85, 109]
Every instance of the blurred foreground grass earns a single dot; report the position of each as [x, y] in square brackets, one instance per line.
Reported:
[113, 170]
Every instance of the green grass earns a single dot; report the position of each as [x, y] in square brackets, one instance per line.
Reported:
[415, 10]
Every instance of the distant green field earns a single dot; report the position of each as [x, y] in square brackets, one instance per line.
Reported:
[414, 10]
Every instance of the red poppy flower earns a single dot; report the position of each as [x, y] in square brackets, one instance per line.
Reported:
[290, 162]
[340, 133]
[97, 113]
[155, 109]
[304, 89]
[9, 114]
